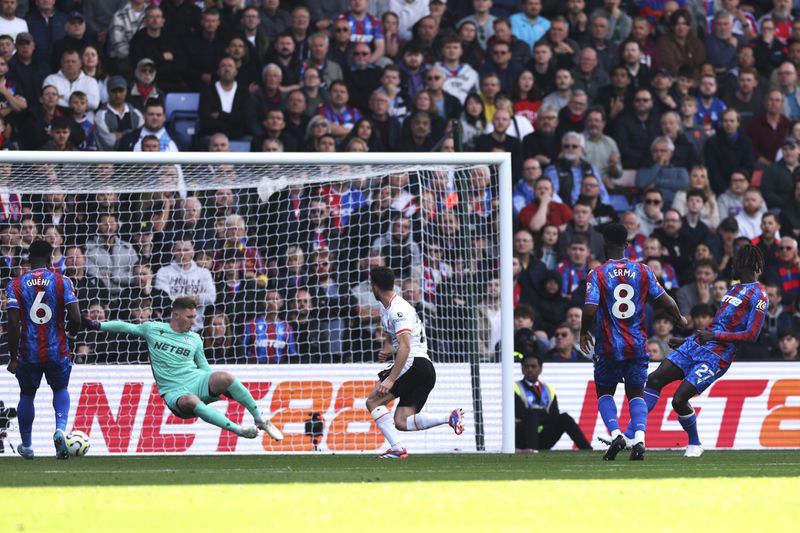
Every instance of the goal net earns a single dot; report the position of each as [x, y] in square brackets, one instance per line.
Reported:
[277, 251]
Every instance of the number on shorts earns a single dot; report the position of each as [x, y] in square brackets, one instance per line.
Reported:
[40, 312]
[703, 373]
[623, 302]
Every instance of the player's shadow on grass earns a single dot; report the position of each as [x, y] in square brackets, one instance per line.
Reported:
[276, 469]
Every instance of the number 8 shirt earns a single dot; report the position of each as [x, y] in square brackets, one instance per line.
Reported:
[401, 317]
[42, 297]
[619, 289]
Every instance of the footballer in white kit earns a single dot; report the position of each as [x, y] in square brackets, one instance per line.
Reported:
[411, 377]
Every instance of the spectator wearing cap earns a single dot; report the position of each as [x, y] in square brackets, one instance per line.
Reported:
[117, 118]
[125, 23]
[46, 25]
[27, 71]
[777, 183]
[167, 52]
[665, 96]
[144, 88]
[76, 37]
[768, 129]
[71, 78]
[226, 105]
[10, 23]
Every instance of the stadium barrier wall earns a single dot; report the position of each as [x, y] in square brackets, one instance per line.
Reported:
[754, 406]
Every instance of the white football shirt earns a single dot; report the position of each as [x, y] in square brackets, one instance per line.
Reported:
[401, 317]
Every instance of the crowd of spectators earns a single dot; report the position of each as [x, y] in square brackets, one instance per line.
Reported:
[679, 118]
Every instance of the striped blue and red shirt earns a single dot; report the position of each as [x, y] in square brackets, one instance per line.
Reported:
[739, 319]
[269, 342]
[366, 30]
[42, 297]
[619, 288]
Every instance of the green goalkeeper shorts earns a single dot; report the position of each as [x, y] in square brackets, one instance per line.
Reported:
[195, 383]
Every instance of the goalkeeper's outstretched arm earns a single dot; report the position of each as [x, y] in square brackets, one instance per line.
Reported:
[115, 326]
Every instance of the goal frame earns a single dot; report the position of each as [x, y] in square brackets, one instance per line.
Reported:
[505, 191]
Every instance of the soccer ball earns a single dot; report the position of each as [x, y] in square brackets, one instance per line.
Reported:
[78, 443]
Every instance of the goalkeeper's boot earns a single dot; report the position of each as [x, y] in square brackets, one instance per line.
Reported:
[248, 432]
[616, 446]
[394, 454]
[637, 452]
[60, 442]
[270, 429]
[606, 439]
[456, 421]
[26, 452]
[693, 450]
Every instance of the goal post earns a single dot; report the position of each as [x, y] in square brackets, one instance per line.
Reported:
[454, 185]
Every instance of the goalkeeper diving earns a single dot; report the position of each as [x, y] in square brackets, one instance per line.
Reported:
[185, 380]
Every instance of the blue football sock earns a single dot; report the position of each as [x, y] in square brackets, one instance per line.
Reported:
[25, 414]
[638, 409]
[689, 424]
[61, 406]
[650, 399]
[608, 412]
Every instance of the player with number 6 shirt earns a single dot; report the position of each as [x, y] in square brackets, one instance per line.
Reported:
[40, 303]
[616, 293]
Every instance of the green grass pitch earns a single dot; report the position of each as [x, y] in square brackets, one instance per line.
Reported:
[556, 491]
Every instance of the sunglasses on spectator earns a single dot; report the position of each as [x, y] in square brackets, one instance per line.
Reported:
[562, 334]
[342, 29]
[652, 201]
[641, 99]
[431, 78]
[572, 146]
[785, 248]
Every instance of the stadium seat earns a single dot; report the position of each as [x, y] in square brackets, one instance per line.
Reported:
[620, 203]
[239, 146]
[184, 129]
[184, 104]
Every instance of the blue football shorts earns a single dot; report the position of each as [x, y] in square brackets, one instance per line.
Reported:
[700, 366]
[609, 373]
[29, 375]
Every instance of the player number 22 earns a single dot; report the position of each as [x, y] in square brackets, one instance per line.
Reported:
[40, 312]
[623, 302]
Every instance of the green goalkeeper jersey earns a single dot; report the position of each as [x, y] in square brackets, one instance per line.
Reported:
[174, 357]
